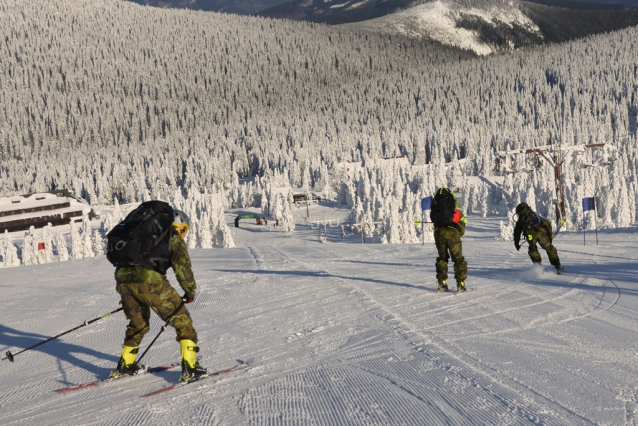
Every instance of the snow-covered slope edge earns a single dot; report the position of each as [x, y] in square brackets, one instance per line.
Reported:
[483, 31]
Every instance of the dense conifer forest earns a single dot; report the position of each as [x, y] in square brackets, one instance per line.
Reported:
[121, 102]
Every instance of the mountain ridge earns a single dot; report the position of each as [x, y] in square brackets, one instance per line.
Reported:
[479, 26]
[480, 30]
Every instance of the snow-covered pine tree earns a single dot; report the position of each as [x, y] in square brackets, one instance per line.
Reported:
[506, 192]
[205, 236]
[265, 200]
[392, 225]
[283, 213]
[623, 215]
[506, 230]
[347, 194]
[221, 235]
[377, 206]
[633, 201]
[29, 248]
[408, 228]
[463, 198]
[471, 200]
[178, 200]
[77, 245]
[47, 239]
[87, 237]
[11, 258]
[360, 215]
[109, 223]
[192, 234]
[117, 213]
[485, 199]
[62, 249]
[99, 242]
[3, 249]
[306, 181]
[234, 194]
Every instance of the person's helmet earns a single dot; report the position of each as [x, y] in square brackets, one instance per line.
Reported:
[521, 208]
[181, 221]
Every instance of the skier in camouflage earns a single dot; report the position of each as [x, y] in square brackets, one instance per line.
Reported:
[143, 289]
[536, 229]
[447, 238]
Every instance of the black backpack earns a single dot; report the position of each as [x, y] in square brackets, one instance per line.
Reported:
[528, 219]
[143, 237]
[443, 207]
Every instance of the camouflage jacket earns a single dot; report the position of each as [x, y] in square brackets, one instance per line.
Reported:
[180, 262]
[460, 226]
[544, 227]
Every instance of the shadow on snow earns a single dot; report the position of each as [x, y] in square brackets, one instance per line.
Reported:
[12, 339]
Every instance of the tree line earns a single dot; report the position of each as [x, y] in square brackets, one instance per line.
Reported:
[120, 102]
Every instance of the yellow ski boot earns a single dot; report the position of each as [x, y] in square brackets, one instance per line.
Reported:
[190, 367]
[126, 365]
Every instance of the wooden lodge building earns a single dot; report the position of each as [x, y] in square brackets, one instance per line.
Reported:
[20, 212]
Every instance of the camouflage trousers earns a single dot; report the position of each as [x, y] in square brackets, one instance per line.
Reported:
[542, 239]
[139, 298]
[448, 244]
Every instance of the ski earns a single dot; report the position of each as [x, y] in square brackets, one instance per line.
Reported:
[559, 271]
[453, 292]
[110, 379]
[241, 366]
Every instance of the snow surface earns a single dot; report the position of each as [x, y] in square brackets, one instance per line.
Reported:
[437, 21]
[342, 334]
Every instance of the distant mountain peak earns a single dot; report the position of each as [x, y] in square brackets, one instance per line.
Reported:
[484, 29]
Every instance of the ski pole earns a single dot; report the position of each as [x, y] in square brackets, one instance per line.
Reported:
[10, 356]
[560, 228]
[162, 330]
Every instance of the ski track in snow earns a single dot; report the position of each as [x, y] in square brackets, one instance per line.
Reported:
[342, 334]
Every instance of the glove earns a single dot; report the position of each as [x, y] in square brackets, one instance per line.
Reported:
[517, 245]
[188, 299]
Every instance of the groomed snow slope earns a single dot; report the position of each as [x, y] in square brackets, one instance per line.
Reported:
[343, 334]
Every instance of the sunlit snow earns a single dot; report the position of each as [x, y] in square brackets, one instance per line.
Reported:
[342, 333]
